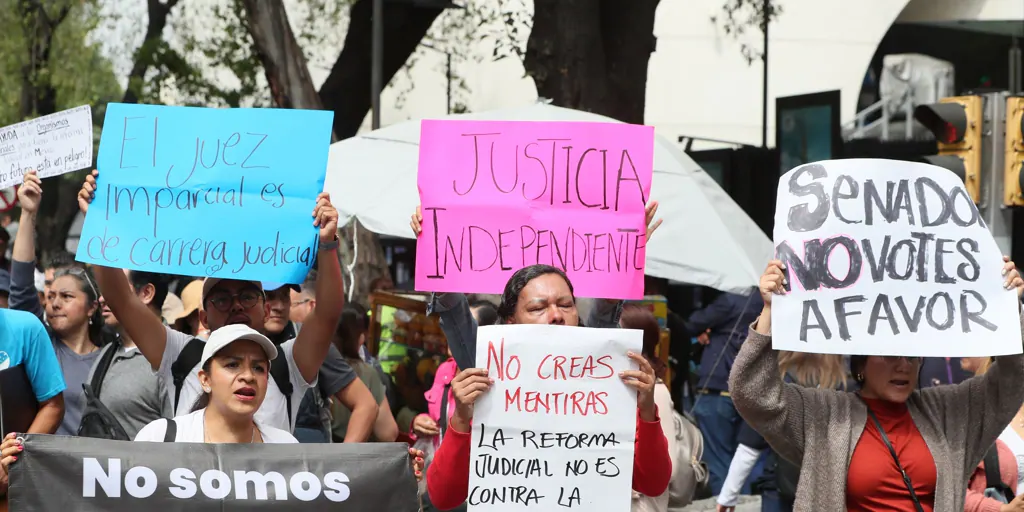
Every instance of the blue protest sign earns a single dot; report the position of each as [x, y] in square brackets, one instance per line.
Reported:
[208, 192]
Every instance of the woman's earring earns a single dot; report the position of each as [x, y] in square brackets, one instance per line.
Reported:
[860, 377]
[90, 321]
[206, 389]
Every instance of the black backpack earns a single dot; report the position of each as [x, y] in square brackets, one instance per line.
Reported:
[193, 353]
[994, 486]
[97, 421]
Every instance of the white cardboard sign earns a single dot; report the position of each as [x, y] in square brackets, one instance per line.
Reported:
[888, 258]
[556, 430]
[51, 145]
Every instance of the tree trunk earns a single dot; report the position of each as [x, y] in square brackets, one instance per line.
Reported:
[39, 98]
[592, 55]
[291, 87]
[347, 89]
[158, 12]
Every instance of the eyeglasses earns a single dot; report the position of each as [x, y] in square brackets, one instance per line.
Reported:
[301, 302]
[222, 301]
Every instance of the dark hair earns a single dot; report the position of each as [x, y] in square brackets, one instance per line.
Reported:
[637, 317]
[518, 281]
[352, 325]
[160, 284]
[87, 285]
[486, 311]
[59, 260]
[204, 398]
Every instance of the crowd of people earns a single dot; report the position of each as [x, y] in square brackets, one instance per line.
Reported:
[138, 356]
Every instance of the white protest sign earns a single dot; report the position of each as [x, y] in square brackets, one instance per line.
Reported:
[51, 145]
[556, 430]
[888, 258]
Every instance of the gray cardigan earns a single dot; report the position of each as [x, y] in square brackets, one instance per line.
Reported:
[820, 427]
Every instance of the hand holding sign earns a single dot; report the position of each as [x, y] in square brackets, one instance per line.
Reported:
[468, 386]
[9, 451]
[1013, 279]
[88, 191]
[642, 381]
[30, 193]
[326, 218]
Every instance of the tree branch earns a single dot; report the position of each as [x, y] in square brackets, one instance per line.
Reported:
[347, 89]
[283, 61]
[143, 59]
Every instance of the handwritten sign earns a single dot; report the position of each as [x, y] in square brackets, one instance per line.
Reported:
[208, 192]
[556, 430]
[888, 258]
[500, 196]
[51, 145]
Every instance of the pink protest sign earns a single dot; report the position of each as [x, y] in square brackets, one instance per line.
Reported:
[498, 196]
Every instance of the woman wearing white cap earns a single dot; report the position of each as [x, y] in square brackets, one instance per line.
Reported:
[235, 369]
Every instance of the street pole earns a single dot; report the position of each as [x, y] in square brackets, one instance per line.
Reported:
[377, 61]
[449, 76]
[764, 85]
[996, 215]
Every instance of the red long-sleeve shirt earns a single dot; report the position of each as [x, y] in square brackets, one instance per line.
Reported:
[448, 474]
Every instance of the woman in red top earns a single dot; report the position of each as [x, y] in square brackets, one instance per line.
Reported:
[542, 294]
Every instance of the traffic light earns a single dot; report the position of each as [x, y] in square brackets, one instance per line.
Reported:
[1014, 188]
[956, 124]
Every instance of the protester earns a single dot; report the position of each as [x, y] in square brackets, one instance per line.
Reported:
[542, 294]
[128, 388]
[336, 378]
[636, 317]
[939, 433]
[234, 377]
[24, 341]
[778, 482]
[73, 316]
[304, 300]
[349, 338]
[57, 261]
[721, 327]
[229, 302]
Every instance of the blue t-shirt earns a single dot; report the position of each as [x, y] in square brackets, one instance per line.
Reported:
[23, 340]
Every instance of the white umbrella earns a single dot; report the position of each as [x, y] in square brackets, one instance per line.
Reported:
[706, 238]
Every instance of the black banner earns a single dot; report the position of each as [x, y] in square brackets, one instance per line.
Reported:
[57, 473]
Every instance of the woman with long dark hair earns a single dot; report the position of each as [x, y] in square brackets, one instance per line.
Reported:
[73, 318]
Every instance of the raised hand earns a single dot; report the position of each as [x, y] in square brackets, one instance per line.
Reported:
[416, 223]
[772, 282]
[325, 217]
[1013, 279]
[88, 191]
[650, 211]
[30, 193]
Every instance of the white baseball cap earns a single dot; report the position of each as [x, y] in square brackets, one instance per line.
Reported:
[229, 334]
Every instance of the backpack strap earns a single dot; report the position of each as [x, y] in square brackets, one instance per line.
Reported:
[444, 410]
[103, 366]
[183, 366]
[992, 477]
[171, 434]
[279, 372]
